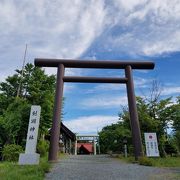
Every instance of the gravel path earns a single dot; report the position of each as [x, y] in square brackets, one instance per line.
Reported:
[103, 167]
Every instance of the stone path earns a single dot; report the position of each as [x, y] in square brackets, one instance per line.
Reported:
[103, 167]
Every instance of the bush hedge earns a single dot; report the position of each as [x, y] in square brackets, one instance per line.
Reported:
[145, 161]
[11, 152]
[43, 147]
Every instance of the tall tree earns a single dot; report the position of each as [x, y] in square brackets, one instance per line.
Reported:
[112, 136]
[156, 120]
[37, 88]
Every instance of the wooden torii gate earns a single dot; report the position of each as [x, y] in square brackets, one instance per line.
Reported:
[61, 64]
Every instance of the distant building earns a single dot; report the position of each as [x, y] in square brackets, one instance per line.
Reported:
[85, 148]
[77, 144]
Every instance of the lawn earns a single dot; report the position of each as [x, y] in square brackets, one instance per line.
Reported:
[166, 162]
[158, 162]
[9, 170]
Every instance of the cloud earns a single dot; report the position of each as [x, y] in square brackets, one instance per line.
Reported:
[90, 124]
[71, 29]
[104, 102]
[141, 82]
[54, 29]
[171, 90]
[140, 28]
[138, 83]
[109, 87]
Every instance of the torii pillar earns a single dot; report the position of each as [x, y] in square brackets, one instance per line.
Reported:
[61, 64]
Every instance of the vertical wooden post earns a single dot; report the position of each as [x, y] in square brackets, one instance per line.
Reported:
[70, 146]
[55, 130]
[135, 128]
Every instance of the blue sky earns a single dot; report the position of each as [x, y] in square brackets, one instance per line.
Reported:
[95, 30]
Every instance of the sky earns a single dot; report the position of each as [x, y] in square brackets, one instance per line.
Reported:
[136, 30]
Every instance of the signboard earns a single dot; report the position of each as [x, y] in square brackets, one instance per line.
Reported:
[151, 145]
[33, 129]
[88, 138]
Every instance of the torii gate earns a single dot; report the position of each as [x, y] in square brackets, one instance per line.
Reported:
[61, 64]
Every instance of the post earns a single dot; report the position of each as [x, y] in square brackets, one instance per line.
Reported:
[75, 148]
[70, 146]
[125, 150]
[67, 146]
[55, 130]
[94, 146]
[135, 128]
[99, 145]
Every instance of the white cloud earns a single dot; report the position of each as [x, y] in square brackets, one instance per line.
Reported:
[142, 27]
[109, 87]
[90, 124]
[128, 5]
[55, 29]
[138, 83]
[104, 102]
[171, 90]
[66, 29]
[68, 88]
[141, 82]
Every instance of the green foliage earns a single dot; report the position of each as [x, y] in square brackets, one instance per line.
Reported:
[155, 115]
[11, 152]
[43, 147]
[15, 121]
[36, 88]
[45, 167]
[157, 161]
[2, 131]
[145, 161]
[14, 171]
[166, 162]
[177, 140]
[111, 138]
[170, 147]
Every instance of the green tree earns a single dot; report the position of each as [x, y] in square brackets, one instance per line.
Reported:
[36, 88]
[155, 115]
[112, 136]
[176, 122]
[15, 121]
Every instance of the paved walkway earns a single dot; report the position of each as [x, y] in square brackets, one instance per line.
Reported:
[103, 167]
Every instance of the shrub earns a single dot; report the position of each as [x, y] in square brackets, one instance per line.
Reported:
[43, 147]
[11, 152]
[170, 148]
[145, 161]
[45, 167]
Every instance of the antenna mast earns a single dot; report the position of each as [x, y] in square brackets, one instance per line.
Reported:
[22, 72]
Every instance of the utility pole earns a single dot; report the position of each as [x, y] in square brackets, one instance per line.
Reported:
[22, 71]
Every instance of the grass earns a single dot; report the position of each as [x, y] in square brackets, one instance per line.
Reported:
[166, 162]
[10, 170]
[157, 162]
[170, 162]
[62, 155]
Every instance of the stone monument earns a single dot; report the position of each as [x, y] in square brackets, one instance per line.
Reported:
[30, 156]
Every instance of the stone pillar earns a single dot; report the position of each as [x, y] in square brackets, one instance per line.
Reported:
[75, 148]
[94, 146]
[99, 146]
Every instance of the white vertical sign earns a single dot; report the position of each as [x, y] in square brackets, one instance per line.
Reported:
[151, 145]
[33, 127]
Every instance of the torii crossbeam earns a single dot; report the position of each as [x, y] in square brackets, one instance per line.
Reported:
[61, 64]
